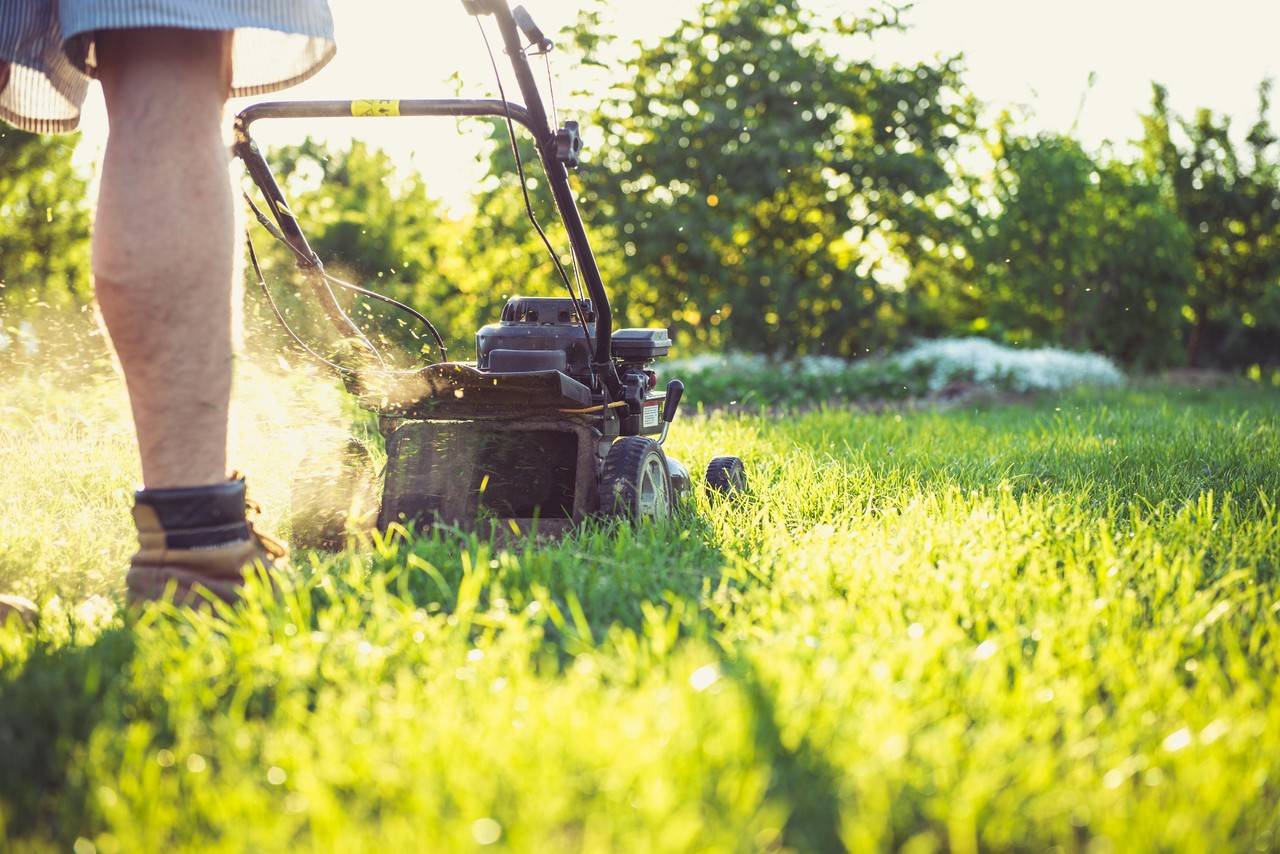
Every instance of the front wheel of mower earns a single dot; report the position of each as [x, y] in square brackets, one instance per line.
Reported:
[634, 482]
[726, 475]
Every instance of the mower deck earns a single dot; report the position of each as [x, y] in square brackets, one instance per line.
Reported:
[538, 472]
[471, 445]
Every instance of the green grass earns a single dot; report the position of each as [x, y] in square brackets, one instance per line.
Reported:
[1011, 628]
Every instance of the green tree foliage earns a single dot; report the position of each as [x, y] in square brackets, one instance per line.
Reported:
[44, 224]
[376, 227]
[1229, 197]
[752, 176]
[1074, 251]
[507, 255]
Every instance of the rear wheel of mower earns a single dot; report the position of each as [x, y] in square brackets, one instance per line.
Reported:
[726, 475]
[333, 496]
[634, 483]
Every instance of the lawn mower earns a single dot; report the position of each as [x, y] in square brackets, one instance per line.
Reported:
[559, 417]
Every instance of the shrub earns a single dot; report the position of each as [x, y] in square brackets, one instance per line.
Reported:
[927, 368]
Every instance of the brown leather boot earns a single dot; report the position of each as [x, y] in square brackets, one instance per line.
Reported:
[197, 540]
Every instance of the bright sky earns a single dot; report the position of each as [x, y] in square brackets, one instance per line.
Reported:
[1037, 53]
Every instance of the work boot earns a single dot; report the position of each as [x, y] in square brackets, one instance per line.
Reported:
[197, 539]
[17, 608]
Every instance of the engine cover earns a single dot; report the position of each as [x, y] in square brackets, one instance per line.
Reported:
[540, 325]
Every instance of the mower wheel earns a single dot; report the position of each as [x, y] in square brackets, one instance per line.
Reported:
[334, 495]
[634, 482]
[726, 475]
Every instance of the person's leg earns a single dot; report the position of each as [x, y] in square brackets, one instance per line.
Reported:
[164, 244]
[163, 261]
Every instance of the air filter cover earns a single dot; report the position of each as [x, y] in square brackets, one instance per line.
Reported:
[641, 345]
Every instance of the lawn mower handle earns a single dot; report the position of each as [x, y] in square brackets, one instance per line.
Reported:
[558, 178]
[532, 115]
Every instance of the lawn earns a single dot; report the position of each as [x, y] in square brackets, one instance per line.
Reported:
[1052, 623]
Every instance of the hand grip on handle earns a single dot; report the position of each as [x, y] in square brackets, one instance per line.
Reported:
[675, 391]
[531, 31]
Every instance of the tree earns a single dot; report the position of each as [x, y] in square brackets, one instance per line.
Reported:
[1076, 251]
[1230, 202]
[44, 224]
[375, 227]
[506, 255]
[752, 176]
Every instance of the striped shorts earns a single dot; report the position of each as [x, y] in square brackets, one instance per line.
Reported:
[47, 55]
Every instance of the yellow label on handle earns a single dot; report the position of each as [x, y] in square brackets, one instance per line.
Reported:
[375, 108]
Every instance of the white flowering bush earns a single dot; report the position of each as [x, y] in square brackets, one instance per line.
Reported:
[985, 362]
[927, 368]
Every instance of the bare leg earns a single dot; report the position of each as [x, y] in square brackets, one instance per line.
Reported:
[164, 245]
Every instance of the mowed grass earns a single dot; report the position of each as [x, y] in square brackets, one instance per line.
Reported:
[1053, 624]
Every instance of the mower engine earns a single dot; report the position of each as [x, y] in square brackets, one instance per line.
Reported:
[538, 334]
[521, 436]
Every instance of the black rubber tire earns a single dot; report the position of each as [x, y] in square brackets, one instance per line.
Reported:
[634, 482]
[333, 497]
[726, 475]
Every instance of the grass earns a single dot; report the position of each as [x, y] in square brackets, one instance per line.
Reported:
[1005, 628]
